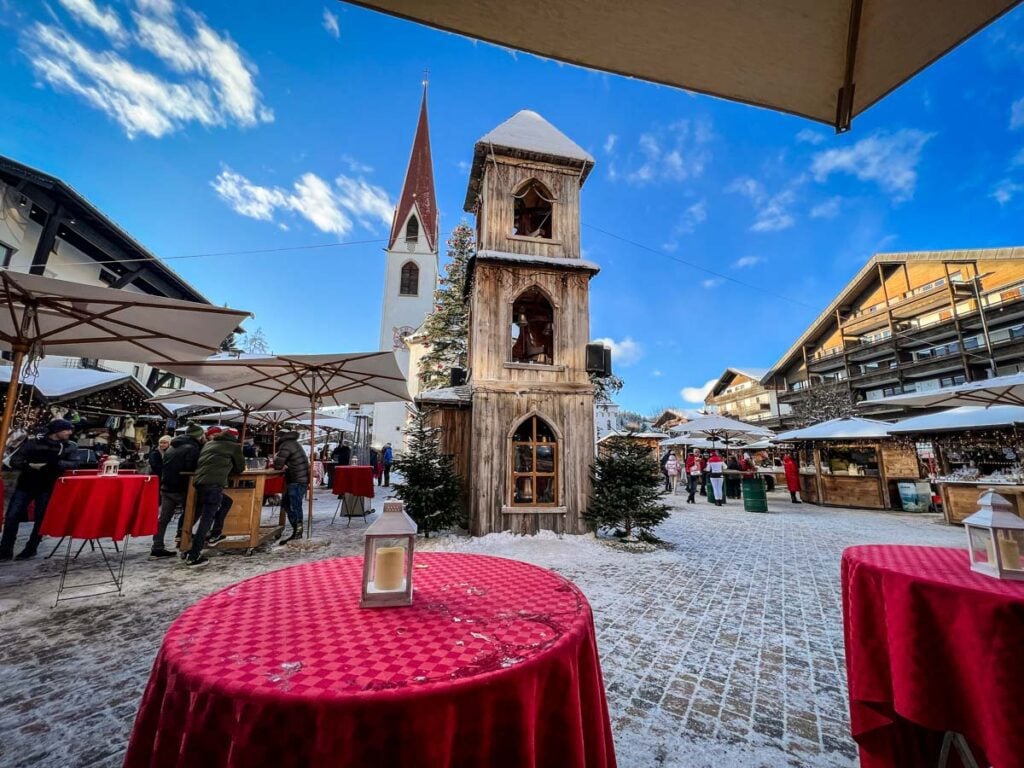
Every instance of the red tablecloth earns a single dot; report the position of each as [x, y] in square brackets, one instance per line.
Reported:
[273, 485]
[494, 664]
[357, 480]
[932, 646]
[93, 507]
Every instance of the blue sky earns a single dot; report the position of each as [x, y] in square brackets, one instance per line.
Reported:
[203, 130]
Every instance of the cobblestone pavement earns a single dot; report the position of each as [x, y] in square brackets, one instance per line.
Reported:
[724, 649]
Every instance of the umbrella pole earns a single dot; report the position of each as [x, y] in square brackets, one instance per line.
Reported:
[245, 423]
[312, 458]
[12, 397]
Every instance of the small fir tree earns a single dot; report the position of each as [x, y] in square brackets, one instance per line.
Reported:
[447, 327]
[627, 489]
[255, 343]
[430, 488]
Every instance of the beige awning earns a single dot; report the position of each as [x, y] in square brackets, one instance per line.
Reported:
[797, 56]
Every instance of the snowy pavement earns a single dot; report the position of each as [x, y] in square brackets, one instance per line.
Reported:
[725, 649]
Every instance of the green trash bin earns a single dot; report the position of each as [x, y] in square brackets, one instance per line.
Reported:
[754, 498]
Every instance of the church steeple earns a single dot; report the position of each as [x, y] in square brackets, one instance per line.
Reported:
[418, 188]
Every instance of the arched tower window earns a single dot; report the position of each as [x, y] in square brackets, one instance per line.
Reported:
[534, 464]
[412, 232]
[533, 210]
[533, 329]
[410, 283]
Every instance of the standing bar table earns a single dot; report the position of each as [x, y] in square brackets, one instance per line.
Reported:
[494, 664]
[353, 485]
[243, 526]
[932, 649]
[95, 507]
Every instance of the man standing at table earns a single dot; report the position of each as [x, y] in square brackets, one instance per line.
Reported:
[293, 460]
[181, 457]
[220, 458]
[40, 461]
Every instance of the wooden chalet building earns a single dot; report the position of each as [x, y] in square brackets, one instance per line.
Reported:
[522, 428]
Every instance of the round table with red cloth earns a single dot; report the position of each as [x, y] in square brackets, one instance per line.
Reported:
[94, 507]
[354, 479]
[932, 646]
[494, 664]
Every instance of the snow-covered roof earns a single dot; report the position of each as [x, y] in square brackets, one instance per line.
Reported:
[966, 417]
[526, 130]
[461, 394]
[521, 258]
[66, 383]
[640, 435]
[850, 428]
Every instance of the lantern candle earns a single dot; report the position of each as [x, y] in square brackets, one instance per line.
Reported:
[990, 552]
[388, 569]
[1009, 550]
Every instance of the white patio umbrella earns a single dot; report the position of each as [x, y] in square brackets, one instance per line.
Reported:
[1000, 390]
[47, 316]
[275, 411]
[720, 429]
[822, 59]
[316, 380]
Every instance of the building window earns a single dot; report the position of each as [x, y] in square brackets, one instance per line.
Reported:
[412, 232]
[410, 283]
[533, 209]
[533, 324]
[534, 464]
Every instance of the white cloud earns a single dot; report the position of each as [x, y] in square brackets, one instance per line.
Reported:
[771, 211]
[1018, 159]
[207, 79]
[676, 152]
[808, 136]
[1017, 114]
[711, 282]
[697, 394]
[827, 209]
[330, 23]
[693, 216]
[355, 165]
[625, 352]
[104, 19]
[656, 373]
[888, 159]
[1005, 191]
[330, 208]
[609, 143]
[747, 261]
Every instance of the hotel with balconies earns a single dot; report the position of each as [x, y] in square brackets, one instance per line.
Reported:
[911, 322]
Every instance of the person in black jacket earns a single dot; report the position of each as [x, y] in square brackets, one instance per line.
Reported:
[342, 455]
[181, 457]
[293, 460]
[40, 460]
[156, 456]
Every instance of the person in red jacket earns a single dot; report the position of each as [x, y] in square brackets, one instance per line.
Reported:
[694, 473]
[792, 476]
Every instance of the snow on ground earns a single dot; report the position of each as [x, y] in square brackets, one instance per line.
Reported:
[723, 650]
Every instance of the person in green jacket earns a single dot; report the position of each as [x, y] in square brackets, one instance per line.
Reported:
[220, 458]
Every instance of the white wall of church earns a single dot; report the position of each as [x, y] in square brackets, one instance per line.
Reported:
[400, 316]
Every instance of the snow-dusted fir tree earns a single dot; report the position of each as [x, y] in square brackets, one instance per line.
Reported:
[429, 488]
[627, 489]
[447, 327]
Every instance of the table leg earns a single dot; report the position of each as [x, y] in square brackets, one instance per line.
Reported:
[189, 515]
[954, 739]
[54, 550]
[64, 571]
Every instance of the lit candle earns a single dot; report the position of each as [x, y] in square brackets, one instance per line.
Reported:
[1010, 552]
[389, 569]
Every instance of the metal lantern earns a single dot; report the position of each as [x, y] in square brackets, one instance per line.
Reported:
[995, 538]
[111, 465]
[387, 558]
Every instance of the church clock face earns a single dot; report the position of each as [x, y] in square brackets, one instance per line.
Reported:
[399, 334]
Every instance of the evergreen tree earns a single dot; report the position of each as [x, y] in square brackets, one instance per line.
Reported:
[627, 489]
[255, 343]
[430, 488]
[823, 402]
[606, 387]
[447, 327]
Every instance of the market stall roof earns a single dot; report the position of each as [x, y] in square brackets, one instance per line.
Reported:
[638, 435]
[827, 61]
[328, 422]
[849, 428]
[959, 419]
[1000, 390]
[720, 427]
[62, 385]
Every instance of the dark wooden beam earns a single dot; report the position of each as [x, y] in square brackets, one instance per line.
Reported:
[46, 240]
[844, 99]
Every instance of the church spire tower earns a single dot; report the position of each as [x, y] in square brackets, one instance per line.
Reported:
[411, 266]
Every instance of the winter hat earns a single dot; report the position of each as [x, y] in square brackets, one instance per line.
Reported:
[58, 425]
[231, 431]
[211, 431]
[194, 431]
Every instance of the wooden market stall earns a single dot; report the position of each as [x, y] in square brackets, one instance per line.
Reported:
[852, 462]
[243, 526]
[970, 450]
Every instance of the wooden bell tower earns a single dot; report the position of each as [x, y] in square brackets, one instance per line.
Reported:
[531, 418]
